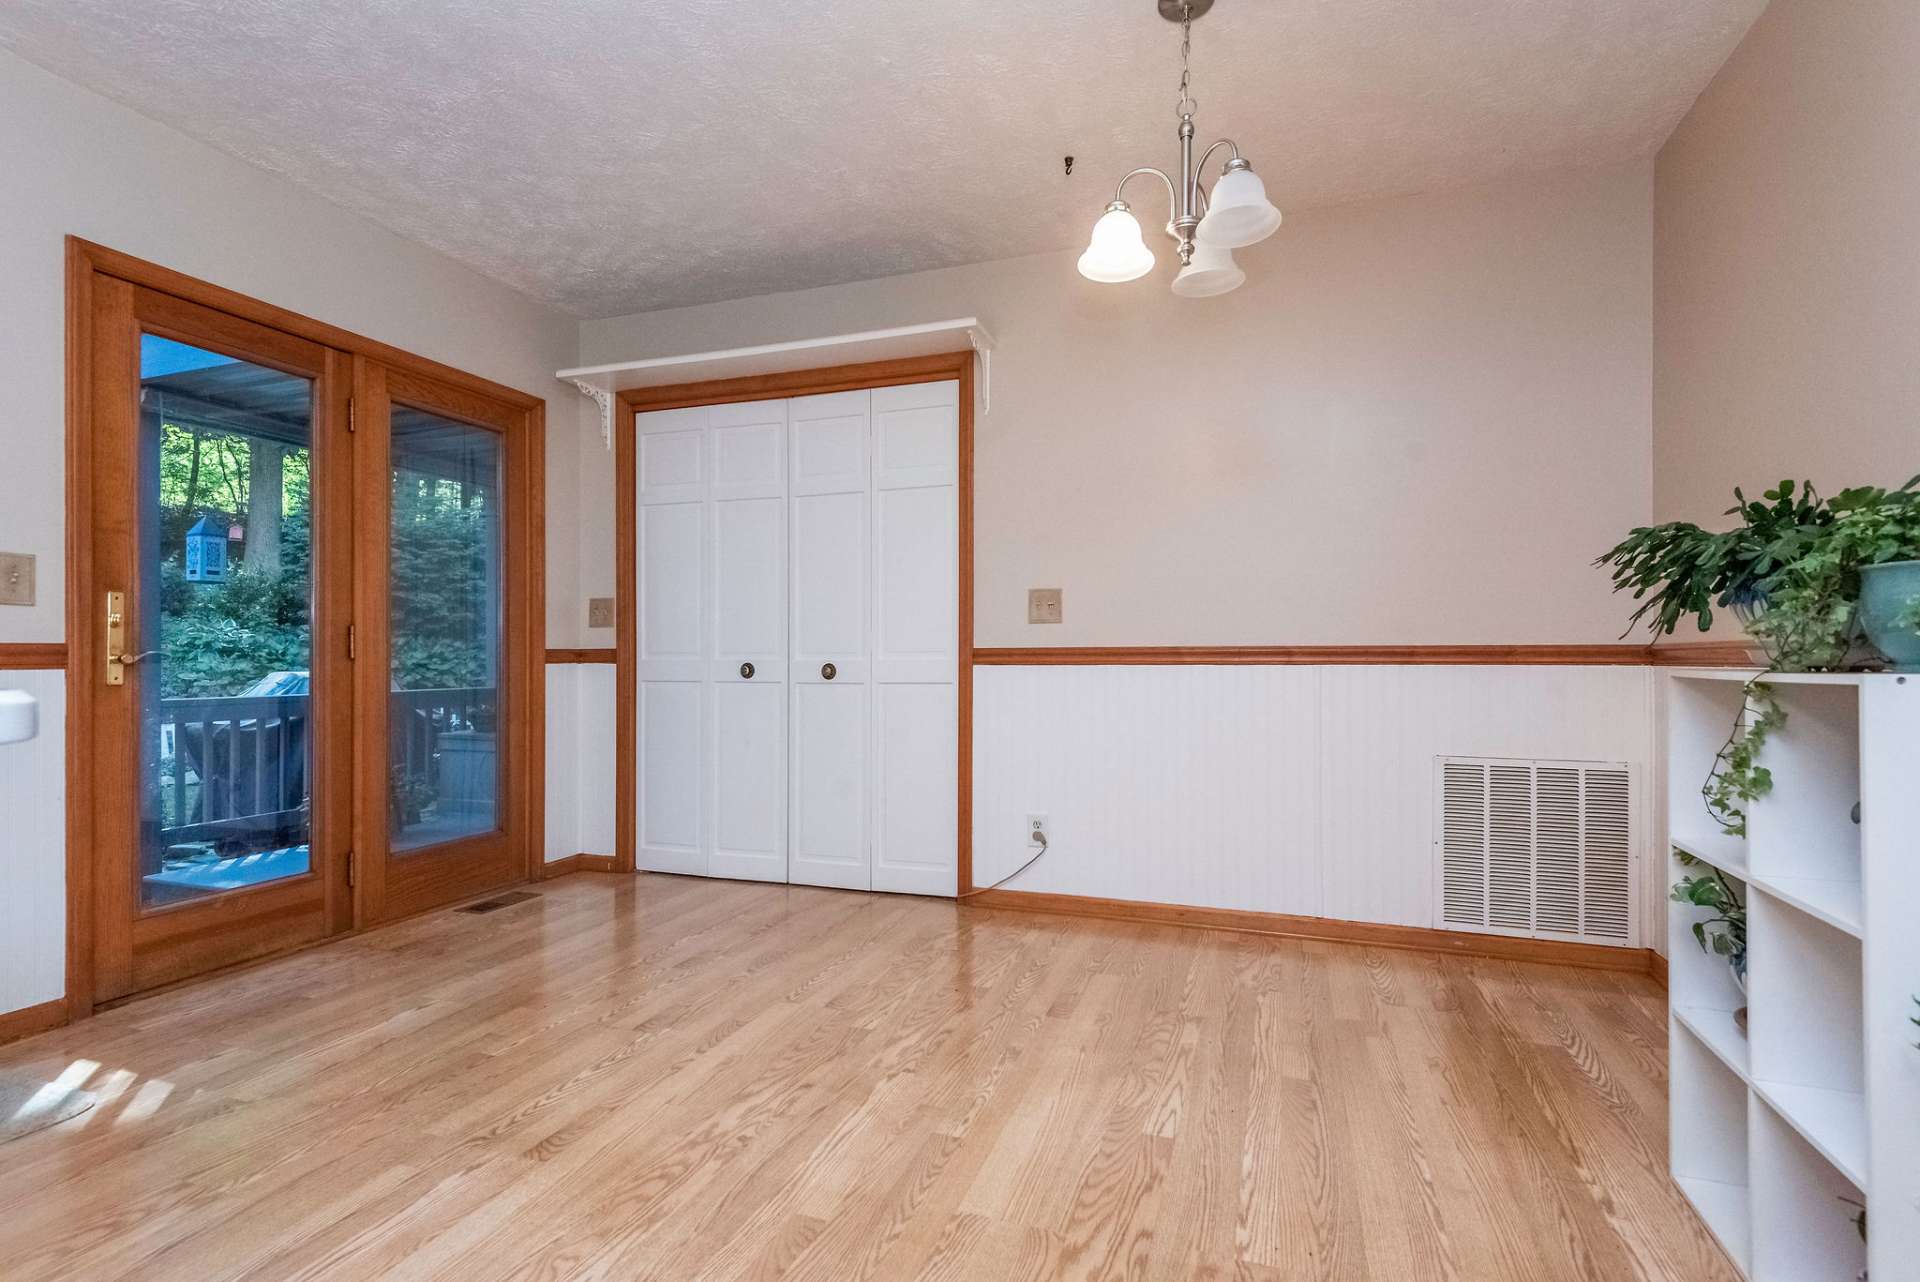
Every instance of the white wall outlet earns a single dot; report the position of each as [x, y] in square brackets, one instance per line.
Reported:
[600, 612]
[1038, 833]
[1043, 605]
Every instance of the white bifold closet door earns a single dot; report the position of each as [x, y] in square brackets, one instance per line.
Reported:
[831, 575]
[798, 657]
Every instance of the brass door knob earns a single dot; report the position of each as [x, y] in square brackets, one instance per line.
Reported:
[746, 670]
[828, 671]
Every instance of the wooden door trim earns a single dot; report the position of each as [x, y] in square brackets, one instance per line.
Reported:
[92, 258]
[762, 387]
[88, 263]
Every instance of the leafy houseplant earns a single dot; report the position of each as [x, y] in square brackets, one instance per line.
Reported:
[1725, 933]
[1678, 569]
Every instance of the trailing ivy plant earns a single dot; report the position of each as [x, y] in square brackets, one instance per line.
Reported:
[1725, 933]
[1738, 777]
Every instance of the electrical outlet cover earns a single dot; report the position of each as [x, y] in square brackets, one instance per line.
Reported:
[1037, 824]
[16, 578]
[600, 612]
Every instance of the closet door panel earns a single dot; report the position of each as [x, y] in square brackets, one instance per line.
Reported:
[829, 810]
[670, 837]
[915, 834]
[669, 565]
[915, 638]
[829, 485]
[747, 764]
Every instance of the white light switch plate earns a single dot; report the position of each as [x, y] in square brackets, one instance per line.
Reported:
[16, 578]
[1043, 605]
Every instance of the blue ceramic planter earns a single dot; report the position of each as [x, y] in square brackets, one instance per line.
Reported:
[1886, 593]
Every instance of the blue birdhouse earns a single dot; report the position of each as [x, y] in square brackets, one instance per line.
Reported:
[207, 552]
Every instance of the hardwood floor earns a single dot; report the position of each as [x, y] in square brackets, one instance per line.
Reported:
[658, 1078]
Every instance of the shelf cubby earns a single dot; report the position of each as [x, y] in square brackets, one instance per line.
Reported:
[1698, 980]
[1708, 1141]
[1803, 829]
[1802, 1226]
[1701, 713]
[1807, 1030]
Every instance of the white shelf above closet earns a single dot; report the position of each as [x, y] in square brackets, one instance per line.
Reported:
[900, 342]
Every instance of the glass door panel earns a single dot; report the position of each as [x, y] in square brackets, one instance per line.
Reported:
[214, 701]
[225, 601]
[445, 629]
[448, 677]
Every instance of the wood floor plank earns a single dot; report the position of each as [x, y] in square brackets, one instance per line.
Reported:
[650, 1077]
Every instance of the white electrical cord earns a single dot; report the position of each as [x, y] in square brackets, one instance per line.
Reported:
[1041, 837]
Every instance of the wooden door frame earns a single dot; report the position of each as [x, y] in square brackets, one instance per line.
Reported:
[957, 366]
[87, 263]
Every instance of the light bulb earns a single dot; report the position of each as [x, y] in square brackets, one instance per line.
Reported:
[1211, 272]
[1116, 252]
[1238, 211]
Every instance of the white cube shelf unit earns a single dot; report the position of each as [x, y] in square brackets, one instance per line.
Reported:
[1817, 1103]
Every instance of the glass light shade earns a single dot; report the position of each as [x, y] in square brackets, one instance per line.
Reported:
[1211, 272]
[1238, 212]
[1116, 252]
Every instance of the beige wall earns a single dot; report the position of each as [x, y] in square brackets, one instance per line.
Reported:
[1787, 262]
[73, 162]
[1418, 421]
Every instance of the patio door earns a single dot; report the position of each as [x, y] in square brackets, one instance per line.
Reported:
[303, 640]
[444, 722]
[221, 704]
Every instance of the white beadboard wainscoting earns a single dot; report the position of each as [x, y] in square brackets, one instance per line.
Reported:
[1273, 788]
[581, 772]
[33, 842]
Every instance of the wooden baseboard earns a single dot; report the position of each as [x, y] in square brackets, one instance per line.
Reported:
[1459, 943]
[1657, 967]
[16, 1024]
[573, 863]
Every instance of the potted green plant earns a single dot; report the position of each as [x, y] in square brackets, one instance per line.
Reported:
[1803, 575]
[1876, 540]
[1677, 569]
[1724, 933]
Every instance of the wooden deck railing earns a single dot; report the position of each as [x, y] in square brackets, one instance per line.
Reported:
[239, 764]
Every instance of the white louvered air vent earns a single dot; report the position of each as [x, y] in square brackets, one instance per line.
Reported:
[1536, 848]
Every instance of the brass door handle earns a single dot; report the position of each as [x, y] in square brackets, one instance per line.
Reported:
[828, 671]
[128, 660]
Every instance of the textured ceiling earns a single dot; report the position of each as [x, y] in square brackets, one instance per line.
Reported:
[625, 155]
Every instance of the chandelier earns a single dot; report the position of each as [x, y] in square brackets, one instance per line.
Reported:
[1208, 226]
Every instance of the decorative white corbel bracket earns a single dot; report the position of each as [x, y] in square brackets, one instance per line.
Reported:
[983, 352]
[603, 397]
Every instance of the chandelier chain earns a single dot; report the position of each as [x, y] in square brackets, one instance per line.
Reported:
[1186, 105]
